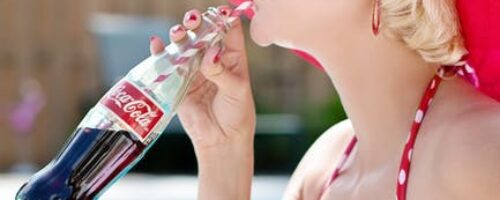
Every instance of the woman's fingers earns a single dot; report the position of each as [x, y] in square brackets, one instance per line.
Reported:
[192, 19]
[218, 72]
[224, 10]
[234, 39]
[156, 45]
[227, 72]
[177, 33]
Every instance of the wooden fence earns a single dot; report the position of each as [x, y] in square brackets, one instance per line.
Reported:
[49, 41]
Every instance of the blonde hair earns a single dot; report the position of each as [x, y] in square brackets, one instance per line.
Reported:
[431, 27]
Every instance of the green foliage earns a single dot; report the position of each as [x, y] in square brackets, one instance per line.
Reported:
[318, 118]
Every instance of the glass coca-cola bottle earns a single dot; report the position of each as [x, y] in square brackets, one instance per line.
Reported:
[125, 123]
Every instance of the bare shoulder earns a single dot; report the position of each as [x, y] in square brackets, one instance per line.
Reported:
[470, 151]
[319, 162]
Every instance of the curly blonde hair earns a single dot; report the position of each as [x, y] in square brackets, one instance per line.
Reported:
[431, 27]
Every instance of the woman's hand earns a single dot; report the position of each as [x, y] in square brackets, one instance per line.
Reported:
[218, 107]
[218, 113]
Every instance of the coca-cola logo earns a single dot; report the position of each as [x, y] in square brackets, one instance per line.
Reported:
[138, 110]
[134, 107]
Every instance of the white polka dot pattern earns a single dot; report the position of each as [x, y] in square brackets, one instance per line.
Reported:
[406, 157]
[402, 177]
[419, 116]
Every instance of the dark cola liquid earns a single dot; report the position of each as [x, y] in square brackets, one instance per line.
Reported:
[91, 160]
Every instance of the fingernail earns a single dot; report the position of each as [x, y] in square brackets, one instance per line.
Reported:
[192, 17]
[156, 45]
[224, 10]
[152, 38]
[217, 56]
[176, 29]
[216, 59]
[179, 28]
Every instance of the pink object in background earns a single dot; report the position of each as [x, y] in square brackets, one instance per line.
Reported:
[23, 115]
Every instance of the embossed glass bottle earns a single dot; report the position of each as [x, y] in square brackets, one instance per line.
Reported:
[125, 123]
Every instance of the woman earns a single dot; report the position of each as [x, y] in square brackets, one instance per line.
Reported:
[380, 79]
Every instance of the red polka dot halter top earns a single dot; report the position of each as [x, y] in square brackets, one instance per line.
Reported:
[404, 169]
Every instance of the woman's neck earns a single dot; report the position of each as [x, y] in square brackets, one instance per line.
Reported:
[380, 82]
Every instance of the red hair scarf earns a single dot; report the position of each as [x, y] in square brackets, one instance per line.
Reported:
[480, 20]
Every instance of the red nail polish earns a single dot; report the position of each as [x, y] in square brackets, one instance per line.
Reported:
[224, 12]
[177, 29]
[216, 59]
[153, 38]
[192, 17]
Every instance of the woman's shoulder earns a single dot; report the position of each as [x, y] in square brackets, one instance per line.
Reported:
[318, 163]
[470, 151]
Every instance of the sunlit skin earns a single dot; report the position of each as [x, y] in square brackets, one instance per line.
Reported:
[380, 82]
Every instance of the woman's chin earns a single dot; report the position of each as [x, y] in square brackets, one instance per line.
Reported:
[258, 35]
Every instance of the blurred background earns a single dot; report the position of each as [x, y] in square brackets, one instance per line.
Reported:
[57, 58]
